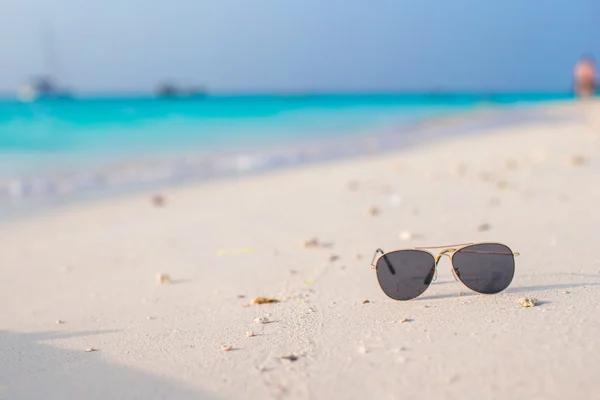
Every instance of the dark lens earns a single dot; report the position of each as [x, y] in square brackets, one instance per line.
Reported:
[485, 268]
[405, 274]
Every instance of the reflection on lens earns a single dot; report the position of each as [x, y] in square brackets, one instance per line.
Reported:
[485, 268]
[405, 274]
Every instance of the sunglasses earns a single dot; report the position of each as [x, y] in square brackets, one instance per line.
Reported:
[482, 267]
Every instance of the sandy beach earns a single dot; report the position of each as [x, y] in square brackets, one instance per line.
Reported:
[84, 317]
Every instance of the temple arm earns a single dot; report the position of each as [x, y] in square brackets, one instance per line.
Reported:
[378, 251]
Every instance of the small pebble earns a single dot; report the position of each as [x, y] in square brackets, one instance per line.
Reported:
[60, 321]
[311, 242]
[291, 357]
[574, 160]
[503, 185]
[353, 185]
[511, 164]
[460, 294]
[362, 349]
[149, 318]
[483, 227]
[332, 257]
[365, 301]
[372, 211]
[406, 235]
[158, 200]
[90, 349]
[249, 334]
[226, 348]
[163, 279]
[403, 320]
[494, 201]
[527, 302]
[485, 177]
[357, 256]
[261, 320]
[566, 292]
[460, 169]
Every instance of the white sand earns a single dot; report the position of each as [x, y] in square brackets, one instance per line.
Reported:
[93, 266]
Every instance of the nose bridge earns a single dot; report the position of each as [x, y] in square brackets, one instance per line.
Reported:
[448, 253]
[445, 252]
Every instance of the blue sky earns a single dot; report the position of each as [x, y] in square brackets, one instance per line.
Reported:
[249, 45]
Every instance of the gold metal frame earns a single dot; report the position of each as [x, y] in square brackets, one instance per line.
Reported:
[447, 250]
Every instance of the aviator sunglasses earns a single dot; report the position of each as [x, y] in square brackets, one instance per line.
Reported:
[482, 267]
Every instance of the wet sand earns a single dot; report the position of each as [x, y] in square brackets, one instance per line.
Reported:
[85, 278]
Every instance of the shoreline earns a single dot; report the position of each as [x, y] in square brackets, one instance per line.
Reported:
[35, 194]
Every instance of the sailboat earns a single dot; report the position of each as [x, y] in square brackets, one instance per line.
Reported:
[44, 86]
[41, 87]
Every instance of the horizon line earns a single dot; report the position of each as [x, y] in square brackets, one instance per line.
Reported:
[317, 92]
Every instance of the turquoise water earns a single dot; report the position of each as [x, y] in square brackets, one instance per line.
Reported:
[99, 141]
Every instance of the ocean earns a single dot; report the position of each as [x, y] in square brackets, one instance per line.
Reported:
[63, 147]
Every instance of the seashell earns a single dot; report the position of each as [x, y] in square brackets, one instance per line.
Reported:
[263, 300]
[163, 279]
[261, 320]
[527, 302]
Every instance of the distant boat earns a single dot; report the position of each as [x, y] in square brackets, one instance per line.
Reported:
[41, 88]
[169, 90]
[44, 86]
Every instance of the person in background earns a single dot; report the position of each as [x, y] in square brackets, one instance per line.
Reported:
[585, 77]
